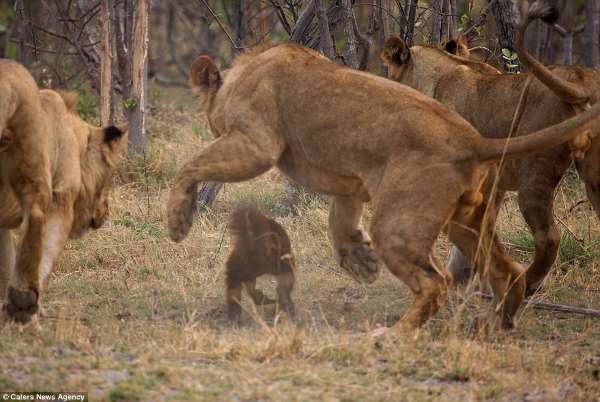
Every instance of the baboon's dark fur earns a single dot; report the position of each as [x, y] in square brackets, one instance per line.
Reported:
[260, 246]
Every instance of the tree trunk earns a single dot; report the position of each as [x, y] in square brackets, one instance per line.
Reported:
[136, 105]
[325, 41]
[106, 81]
[24, 37]
[239, 24]
[506, 16]
[351, 53]
[436, 22]
[591, 55]
[410, 23]
[382, 22]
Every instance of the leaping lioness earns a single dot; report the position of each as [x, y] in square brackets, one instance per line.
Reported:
[359, 138]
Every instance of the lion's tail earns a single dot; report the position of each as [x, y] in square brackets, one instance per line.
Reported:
[493, 149]
[564, 89]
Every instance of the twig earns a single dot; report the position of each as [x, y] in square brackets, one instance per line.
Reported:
[220, 24]
[561, 308]
[568, 229]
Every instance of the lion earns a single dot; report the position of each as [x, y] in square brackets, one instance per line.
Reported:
[487, 99]
[260, 247]
[81, 162]
[359, 138]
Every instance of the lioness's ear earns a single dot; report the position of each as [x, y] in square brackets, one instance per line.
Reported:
[113, 133]
[71, 99]
[459, 47]
[395, 51]
[204, 74]
[451, 46]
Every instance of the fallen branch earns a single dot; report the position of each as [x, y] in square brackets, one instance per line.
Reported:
[561, 308]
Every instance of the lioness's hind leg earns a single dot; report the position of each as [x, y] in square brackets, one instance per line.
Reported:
[231, 158]
[505, 276]
[352, 246]
[7, 262]
[536, 204]
[408, 218]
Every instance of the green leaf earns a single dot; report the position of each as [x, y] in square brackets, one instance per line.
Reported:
[2, 28]
[506, 53]
[514, 56]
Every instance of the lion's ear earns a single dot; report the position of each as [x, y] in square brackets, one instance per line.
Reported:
[451, 46]
[395, 51]
[112, 134]
[204, 75]
[71, 99]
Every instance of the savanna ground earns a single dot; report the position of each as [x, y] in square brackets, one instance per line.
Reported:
[133, 316]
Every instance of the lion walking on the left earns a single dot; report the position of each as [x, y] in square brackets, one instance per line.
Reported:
[55, 177]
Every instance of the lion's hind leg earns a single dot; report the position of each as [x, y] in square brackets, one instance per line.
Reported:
[7, 262]
[234, 157]
[352, 246]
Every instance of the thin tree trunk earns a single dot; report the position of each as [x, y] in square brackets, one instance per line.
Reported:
[452, 19]
[569, 16]
[306, 16]
[325, 41]
[591, 55]
[382, 7]
[506, 16]
[139, 64]
[23, 21]
[239, 24]
[351, 54]
[410, 24]
[436, 22]
[106, 80]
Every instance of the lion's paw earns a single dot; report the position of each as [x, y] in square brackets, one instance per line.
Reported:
[358, 258]
[22, 305]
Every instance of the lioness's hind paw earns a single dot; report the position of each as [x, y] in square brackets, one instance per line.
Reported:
[22, 305]
[359, 259]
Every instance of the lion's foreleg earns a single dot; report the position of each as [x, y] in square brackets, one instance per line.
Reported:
[41, 246]
[231, 158]
[352, 245]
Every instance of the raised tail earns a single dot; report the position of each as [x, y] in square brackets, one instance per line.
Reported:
[564, 89]
[493, 149]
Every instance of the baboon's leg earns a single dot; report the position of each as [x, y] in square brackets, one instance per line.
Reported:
[536, 201]
[505, 276]
[285, 285]
[23, 299]
[352, 246]
[7, 262]
[408, 216]
[234, 298]
[257, 295]
[231, 158]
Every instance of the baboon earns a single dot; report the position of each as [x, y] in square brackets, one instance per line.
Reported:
[260, 247]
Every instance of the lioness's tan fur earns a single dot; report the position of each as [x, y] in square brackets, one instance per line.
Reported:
[488, 99]
[81, 159]
[359, 138]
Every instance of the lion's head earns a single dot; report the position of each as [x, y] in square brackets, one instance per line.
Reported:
[100, 149]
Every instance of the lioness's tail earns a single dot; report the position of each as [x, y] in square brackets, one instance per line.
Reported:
[564, 89]
[492, 149]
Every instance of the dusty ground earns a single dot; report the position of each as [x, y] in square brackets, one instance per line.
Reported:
[133, 316]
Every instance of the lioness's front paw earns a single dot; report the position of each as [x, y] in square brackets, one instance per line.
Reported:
[359, 259]
[22, 305]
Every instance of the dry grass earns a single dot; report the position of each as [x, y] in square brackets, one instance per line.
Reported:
[132, 316]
